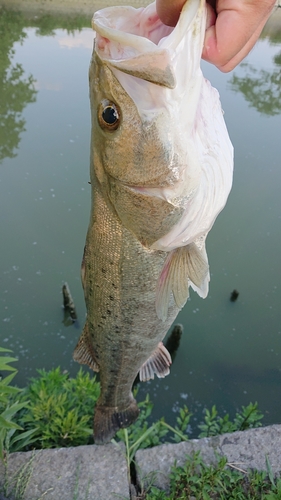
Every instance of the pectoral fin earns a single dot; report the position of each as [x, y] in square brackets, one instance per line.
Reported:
[158, 363]
[183, 267]
[199, 273]
[83, 352]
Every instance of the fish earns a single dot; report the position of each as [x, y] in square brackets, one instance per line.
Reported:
[161, 165]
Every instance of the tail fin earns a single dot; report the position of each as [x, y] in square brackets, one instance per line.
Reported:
[107, 421]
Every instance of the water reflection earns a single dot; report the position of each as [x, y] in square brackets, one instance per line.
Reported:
[230, 352]
[46, 24]
[262, 87]
[16, 89]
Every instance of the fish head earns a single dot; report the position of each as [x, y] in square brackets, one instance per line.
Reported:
[139, 79]
[131, 148]
[145, 81]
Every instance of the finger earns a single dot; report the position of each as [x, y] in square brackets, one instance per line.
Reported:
[169, 11]
[235, 31]
[211, 16]
[227, 63]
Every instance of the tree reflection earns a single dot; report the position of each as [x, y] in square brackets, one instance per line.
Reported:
[262, 88]
[16, 90]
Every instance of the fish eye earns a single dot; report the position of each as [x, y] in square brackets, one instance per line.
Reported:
[108, 115]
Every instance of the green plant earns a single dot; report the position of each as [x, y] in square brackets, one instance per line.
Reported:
[140, 434]
[9, 408]
[248, 417]
[18, 483]
[275, 494]
[219, 481]
[56, 410]
[181, 427]
[60, 409]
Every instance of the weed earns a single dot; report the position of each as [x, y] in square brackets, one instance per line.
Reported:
[61, 408]
[222, 481]
[56, 410]
[247, 418]
[76, 490]
[9, 409]
[18, 483]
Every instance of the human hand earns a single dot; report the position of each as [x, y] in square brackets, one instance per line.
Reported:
[233, 27]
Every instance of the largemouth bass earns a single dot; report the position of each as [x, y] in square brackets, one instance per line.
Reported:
[161, 171]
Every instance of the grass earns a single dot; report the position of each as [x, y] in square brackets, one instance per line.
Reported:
[16, 485]
[55, 410]
[223, 481]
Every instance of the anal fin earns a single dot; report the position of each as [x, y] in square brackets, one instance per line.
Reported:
[184, 266]
[83, 352]
[158, 363]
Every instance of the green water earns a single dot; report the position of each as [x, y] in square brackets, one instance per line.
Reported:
[231, 351]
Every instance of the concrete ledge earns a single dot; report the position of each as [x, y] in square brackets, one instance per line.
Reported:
[81, 473]
[248, 449]
[100, 472]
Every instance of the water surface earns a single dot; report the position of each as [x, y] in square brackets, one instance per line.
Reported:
[231, 351]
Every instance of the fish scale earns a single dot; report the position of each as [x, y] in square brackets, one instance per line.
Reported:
[161, 171]
[121, 287]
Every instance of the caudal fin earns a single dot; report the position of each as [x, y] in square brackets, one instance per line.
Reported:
[107, 421]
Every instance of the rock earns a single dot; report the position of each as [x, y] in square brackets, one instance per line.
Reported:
[247, 449]
[85, 472]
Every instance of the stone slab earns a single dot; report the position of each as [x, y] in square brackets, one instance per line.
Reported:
[82, 473]
[247, 450]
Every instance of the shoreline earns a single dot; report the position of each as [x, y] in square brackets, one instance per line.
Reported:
[67, 7]
[85, 9]
[55, 473]
[88, 7]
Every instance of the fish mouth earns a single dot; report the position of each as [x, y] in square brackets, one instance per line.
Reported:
[150, 41]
